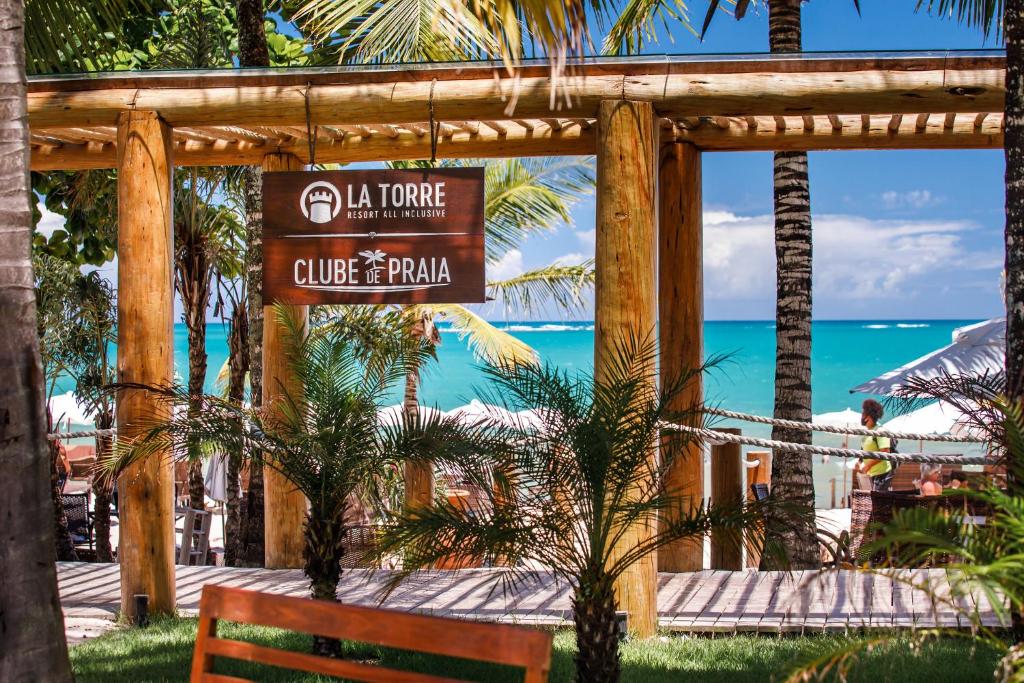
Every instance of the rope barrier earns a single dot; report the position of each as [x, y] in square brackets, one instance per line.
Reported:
[853, 431]
[64, 436]
[722, 437]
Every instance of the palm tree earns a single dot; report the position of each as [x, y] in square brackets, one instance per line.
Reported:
[207, 248]
[523, 197]
[55, 320]
[94, 324]
[325, 439]
[565, 492]
[34, 644]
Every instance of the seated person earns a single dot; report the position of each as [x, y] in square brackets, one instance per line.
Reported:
[959, 481]
[931, 480]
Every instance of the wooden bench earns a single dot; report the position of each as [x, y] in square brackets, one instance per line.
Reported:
[497, 643]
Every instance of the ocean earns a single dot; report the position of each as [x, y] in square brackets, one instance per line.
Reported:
[844, 354]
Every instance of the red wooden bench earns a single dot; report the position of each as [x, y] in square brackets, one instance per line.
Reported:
[497, 643]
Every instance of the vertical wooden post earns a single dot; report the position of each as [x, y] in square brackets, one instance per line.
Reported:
[726, 489]
[681, 329]
[759, 474]
[624, 292]
[284, 508]
[145, 353]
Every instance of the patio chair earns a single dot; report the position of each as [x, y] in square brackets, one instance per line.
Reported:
[76, 510]
[516, 646]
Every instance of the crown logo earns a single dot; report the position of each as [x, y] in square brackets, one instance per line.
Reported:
[320, 201]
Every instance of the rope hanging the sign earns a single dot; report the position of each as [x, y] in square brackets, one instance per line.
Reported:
[434, 126]
[311, 130]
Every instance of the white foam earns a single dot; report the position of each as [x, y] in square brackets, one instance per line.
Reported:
[910, 326]
[548, 327]
[876, 327]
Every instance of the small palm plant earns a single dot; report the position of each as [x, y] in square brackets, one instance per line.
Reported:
[982, 559]
[568, 491]
[323, 435]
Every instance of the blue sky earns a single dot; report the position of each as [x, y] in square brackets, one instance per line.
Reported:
[910, 234]
[898, 234]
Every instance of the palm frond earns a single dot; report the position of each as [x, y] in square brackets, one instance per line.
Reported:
[485, 340]
[639, 20]
[367, 31]
[68, 35]
[984, 14]
[557, 284]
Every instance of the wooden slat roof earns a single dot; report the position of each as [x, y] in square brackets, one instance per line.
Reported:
[747, 102]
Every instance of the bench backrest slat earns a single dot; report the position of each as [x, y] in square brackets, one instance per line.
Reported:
[497, 643]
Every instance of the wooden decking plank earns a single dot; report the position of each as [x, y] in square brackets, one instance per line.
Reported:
[702, 601]
[734, 602]
[837, 619]
[753, 608]
[703, 584]
[711, 607]
[795, 608]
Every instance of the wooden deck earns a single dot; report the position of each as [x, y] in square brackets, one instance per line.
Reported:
[707, 601]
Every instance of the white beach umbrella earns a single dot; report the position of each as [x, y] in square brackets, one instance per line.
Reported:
[935, 418]
[65, 407]
[848, 417]
[393, 414]
[477, 410]
[976, 349]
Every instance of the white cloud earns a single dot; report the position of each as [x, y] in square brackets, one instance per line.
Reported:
[49, 222]
[855, 258]
[508, 266]
[913, 199]
[573, 259]
[588, 237]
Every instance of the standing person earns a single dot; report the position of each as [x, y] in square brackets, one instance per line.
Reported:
[880, 471]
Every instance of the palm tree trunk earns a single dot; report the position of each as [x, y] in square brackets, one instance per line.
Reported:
[253, 51]
[792, 480]
[238, 364]
[34, 648]
[1013, 146]
[419, 476]
[101, 489]
[324, 548]
[597, 636]
[195, 317]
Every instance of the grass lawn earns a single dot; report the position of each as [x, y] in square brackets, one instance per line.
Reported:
[163, 652]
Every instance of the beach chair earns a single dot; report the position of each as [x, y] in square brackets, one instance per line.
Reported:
[516, 646]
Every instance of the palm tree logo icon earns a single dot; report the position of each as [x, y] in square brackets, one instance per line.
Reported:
[374, 258]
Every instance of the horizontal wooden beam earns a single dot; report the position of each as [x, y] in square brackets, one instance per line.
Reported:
[791, 87]
[843, 133]
[486, 143]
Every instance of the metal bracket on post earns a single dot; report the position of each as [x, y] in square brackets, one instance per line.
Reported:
[434, 126]
[311, 130]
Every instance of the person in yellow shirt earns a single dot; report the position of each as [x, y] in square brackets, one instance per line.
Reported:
[880, 471]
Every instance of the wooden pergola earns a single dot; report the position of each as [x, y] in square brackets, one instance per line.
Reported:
[646, 119]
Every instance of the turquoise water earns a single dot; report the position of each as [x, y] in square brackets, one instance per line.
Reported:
[844, 354]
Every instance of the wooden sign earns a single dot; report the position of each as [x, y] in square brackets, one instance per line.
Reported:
[374, 236]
